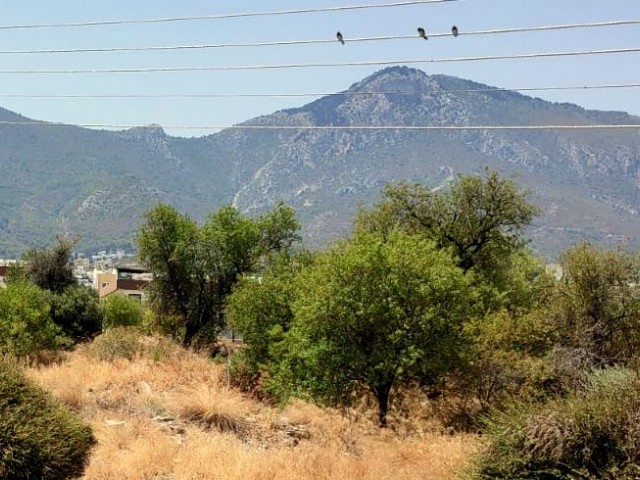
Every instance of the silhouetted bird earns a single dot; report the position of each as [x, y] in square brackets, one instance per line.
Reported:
[422, 33]
[340, 38]
[454, 31]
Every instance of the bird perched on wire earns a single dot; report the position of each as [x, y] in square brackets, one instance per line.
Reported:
[340, 38]
[454, 31]
[422, 33]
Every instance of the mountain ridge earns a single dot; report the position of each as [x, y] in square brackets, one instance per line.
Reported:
[97, 183]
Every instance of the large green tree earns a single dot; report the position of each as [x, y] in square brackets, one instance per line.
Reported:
[480, 218]
[373, 314]
[195, 267]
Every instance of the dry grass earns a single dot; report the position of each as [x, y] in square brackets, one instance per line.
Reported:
[168, 415]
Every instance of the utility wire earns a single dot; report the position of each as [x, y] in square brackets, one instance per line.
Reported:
[335, 127]
[612, 23]
[223, 16]
[325, 94]
[322, 65]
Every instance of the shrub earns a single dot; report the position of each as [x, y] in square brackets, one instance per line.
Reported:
[118, 342]
[38, 437]
[77, 311]
[121, 311]
[25, 321]
[594, 433]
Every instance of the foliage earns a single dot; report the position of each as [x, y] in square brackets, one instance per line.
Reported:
[121, 311]
[598, 302]
[38, 437]
[510, 336]
[76, 310]
[479, 219]
[51, 268]
[370, 315]
[259, 309]
[116, 342]
[592, 434]
[25, 321]
[196, 267]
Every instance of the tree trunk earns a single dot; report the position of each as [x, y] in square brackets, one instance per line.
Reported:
[382, 394]
[191, 331]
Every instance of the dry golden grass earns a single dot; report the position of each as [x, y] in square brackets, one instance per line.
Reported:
[168, 415]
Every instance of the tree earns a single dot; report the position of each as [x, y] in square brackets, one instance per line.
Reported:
[25, 320]
[479, 218]
[598, 302]
[77, 311]
[260, 308]
[371, 315]
[51, 268]
[196, 267]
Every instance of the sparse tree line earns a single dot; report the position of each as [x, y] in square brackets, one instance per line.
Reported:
[433, 292]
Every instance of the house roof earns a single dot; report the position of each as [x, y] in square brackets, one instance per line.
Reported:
[131, 264]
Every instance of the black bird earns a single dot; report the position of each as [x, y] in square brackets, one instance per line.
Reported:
[340, 38]
[454, 31]
[422, 33]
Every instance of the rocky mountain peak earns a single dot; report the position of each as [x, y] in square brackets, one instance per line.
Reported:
[588, 183]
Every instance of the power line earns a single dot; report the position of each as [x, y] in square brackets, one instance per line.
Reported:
[223, 16]
[333, 127]
[323, 94]
[542, 28]
[324, 65]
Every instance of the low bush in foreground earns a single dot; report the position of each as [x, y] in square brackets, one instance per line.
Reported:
[38, 437]
[594, 433]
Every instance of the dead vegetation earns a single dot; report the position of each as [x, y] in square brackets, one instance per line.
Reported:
[168, 414]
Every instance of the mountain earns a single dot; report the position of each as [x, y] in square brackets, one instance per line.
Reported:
[97, 184]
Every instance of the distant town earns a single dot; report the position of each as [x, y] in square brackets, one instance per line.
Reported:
[106, 272]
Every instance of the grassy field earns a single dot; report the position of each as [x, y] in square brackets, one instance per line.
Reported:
[168, 414]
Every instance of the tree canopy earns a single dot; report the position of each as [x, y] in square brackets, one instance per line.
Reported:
[195, 267]
[373, 314]
[478, 218]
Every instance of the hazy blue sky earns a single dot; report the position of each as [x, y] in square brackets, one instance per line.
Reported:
[466, 14]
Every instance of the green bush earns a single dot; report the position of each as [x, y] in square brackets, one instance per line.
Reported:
[118, 342]
[77, 311]
[39, 438]
[593, 433]
[121, 311]
[25, 321]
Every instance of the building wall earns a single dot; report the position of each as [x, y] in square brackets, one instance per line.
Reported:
[107, 283]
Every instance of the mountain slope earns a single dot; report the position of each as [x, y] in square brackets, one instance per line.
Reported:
[98, 183]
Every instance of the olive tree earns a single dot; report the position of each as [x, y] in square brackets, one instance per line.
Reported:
[195, 267]
[371, 315]
[480, 218]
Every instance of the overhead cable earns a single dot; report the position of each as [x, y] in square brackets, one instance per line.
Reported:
[223, 16]
[322, 64]
[315, 41]
[332, 127]
[324, 94]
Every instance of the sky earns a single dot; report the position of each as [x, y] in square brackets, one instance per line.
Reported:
[468, 15]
